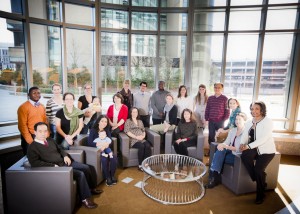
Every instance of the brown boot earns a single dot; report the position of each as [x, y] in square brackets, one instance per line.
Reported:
[89, 204]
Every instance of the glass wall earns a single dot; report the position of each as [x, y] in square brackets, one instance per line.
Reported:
[80, 55]
[13, 78]
[172, 61]
[143, 60]
[44, 9]
[46, 56]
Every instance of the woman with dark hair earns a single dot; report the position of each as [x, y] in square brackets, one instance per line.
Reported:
[117, 114]
[186, 134]
[183, 101]
[69, 122]
[109, 164]
[134, 128]
[258, 147]
[200, 101]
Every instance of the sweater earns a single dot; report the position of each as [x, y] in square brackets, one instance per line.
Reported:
[230, 138]
[264, 141]
[158, 102]
[28, 116]
[40, 155]
[123, 113]
[172, 115]
[142, 102]
[51, 109]
[216, 109]
[186, 130]
[94, 134]
[183, 103]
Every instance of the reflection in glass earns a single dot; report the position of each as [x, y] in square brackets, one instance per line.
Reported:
[143, 60]
[13, 80]
[244, 19]
[46, 56]
[44, 9]
[245, 2]
[241, 53]
[114, 19]
[206, 60]
[145, 3]
[80, 59]
[210, 3]
[172, 61]
[10, 6]
[275, 20]
[211, 20]
[144, 21]
[82, 15]
[275, 78]
[124, 2]
[281, 1]
[172, 3]
[173, 21]
[114, 61]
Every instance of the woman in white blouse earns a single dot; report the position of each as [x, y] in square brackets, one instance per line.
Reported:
[183, 101]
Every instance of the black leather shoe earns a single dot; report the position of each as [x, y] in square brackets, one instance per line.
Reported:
[211, 184]
[96, 191]
[89, 204]
[259, 201]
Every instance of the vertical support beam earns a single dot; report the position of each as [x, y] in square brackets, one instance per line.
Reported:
[259, 57]
[27, 46]
[64, 48]
[97, 54]
[189, 48]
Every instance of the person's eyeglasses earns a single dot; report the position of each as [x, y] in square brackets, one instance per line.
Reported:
[88, 88]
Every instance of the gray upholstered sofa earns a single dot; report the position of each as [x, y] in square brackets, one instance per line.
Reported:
[194, 151]
[130, 155]
[237, 179]
[41, 189]
[92, 154]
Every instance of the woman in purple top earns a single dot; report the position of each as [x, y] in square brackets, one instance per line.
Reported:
[109, 164]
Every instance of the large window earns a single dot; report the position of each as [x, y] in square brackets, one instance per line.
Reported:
[275, 75]
[80, 59]
[46, 56]
[172, 61]
[44, 9]
[114, 19]
[207, 60]
[114, 62]
[143, 60]
[13, 80]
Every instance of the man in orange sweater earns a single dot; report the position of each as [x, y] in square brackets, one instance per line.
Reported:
[30, 113]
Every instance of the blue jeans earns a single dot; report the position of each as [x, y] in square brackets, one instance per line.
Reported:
[64, 145]
[53, 131]
[221, 157]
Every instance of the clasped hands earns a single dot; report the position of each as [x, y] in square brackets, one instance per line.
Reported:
[69, 139]
[243, 147]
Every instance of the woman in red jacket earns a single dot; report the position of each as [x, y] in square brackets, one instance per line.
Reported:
[117, 115]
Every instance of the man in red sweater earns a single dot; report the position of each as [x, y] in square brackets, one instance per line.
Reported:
[30, 113]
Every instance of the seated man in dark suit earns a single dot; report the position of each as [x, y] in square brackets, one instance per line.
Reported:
[45, 152]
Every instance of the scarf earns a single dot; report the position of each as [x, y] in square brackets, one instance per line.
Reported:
[167, 109]
[73, 117]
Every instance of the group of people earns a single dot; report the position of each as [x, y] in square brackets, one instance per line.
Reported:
[130, 113]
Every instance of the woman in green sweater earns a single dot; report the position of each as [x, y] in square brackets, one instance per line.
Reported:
[186, 134]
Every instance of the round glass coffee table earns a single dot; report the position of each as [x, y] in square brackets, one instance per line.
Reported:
[173, 179]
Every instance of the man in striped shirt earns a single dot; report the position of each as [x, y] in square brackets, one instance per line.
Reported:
[216, 111]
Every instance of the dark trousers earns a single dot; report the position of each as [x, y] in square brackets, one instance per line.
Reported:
[212, 128]
[157, 121]
[181, 148]
[109, 166]
[144, 150]
[146, 120]
[257, 170]
[24, 144]
[86, 127]
[85, 177]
